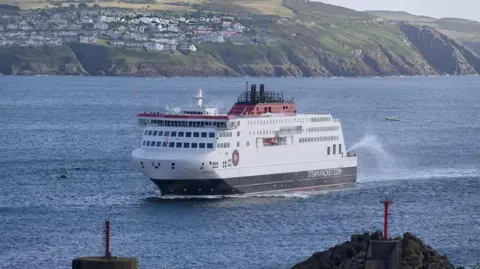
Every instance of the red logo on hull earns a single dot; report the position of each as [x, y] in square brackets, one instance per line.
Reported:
[235, 158]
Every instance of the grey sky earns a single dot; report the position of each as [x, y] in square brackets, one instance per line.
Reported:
[467, 9]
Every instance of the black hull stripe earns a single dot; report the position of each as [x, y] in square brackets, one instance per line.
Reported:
[287, 181]
[294, 176]
[255, 184]
[313, 188]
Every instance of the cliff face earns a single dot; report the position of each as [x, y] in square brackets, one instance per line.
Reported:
[40, 61]
[443, 53]
[418, 50]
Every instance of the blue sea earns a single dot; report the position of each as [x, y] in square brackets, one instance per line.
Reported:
[429, 163]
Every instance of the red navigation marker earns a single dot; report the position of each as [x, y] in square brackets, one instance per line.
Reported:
[107, 239]
[387, 202]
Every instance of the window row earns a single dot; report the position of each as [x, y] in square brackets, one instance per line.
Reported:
[320, 119]
[225, 134]
[261, 132]
[276, 121]
[317, 139]
[193, 112]
[323, 129]
[223, 145]
[334, 149]
[179, 123]
[179, 134]
[290, 120]
[160, 144]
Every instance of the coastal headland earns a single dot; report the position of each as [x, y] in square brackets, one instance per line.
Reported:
[273, 38]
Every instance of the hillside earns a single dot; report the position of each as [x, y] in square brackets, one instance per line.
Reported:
[465, 31]
[302, 39]
[400, 16]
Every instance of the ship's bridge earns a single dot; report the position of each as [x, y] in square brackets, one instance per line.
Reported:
[254, 104]
[188, 116]
[206, 111]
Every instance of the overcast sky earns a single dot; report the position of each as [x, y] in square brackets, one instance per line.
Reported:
[467, 9]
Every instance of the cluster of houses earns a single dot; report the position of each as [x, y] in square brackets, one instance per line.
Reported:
[117, 28]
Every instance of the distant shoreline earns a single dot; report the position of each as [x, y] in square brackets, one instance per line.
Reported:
[252, 77]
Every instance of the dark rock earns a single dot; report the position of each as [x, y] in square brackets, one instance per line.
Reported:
[352, 254]
[378, 235]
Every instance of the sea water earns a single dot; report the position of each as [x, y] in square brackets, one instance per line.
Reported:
[428, 161]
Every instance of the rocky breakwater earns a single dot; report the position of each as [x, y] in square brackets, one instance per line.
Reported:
[356, 253]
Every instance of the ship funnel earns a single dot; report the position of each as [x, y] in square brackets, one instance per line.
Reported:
[199, 98]
[253, 93]
[262, 93]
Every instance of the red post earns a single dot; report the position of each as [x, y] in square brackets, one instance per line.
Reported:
[386, 203]
[107, 239]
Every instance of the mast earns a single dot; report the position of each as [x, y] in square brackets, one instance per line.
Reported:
[199, 98]
[386, 203]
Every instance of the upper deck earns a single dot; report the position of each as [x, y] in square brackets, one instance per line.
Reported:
[253, 104]
[250, 104]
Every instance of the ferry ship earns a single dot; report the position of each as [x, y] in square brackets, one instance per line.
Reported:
[261, 145]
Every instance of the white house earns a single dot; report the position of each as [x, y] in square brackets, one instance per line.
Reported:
[12, 27]
[75, 27]
[117, 43]
[24, 26]
[100, 26]
[154, 47]
[87, 39]
[108, 19]
[134, 45]
[86, 20]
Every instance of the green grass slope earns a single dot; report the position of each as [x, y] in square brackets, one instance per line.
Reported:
[400, 16]
[318, 11]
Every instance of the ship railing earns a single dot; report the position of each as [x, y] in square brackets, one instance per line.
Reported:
[350, 154]
[264, 115]
[230, 126]
[322, 112]
[151, 113]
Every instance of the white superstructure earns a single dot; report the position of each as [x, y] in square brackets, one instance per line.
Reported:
[261, 145]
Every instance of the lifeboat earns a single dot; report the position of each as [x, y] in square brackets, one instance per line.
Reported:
[271, 140]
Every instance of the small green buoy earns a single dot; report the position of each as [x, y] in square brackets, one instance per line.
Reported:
[64, 173]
